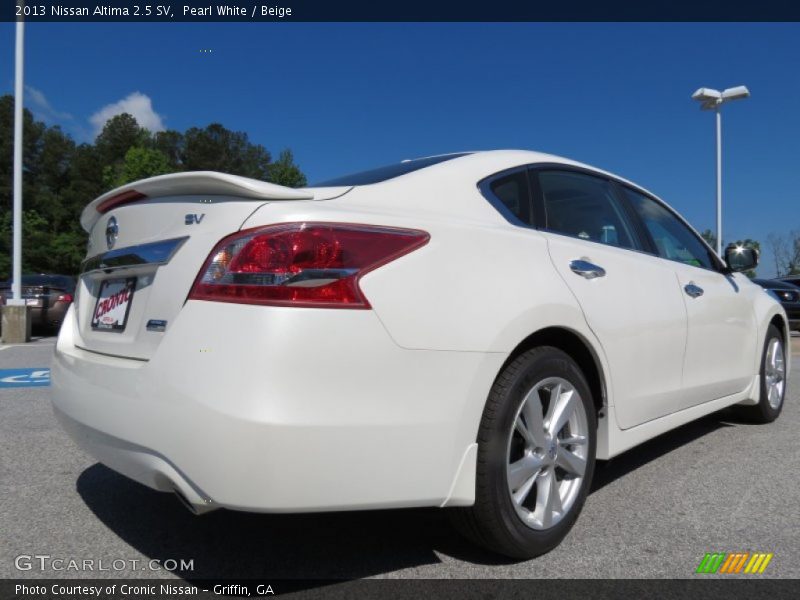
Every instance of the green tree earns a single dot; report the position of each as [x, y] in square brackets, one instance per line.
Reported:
[51, 178]
[216, 148]
[284, 172]
[37, 255]
[139, 163]
[42, 250]
[48, 154]
[171, 144]
[5, 244]
[32, 132]
[120, 134]
[69, 250]
[61, 177]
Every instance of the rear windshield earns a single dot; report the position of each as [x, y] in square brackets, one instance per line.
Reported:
[387, 172]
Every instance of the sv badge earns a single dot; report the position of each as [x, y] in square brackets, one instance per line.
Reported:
[194, 219]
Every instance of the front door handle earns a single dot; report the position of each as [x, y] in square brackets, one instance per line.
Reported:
[586, 269]
[695, 291]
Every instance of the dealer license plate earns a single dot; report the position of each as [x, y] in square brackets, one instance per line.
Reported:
[113, 304]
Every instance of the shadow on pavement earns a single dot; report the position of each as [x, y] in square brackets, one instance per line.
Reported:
[342, 546]
[609, 471]
[227, 544]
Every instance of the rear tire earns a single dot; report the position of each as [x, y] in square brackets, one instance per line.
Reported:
[536, 455]
[773, 380]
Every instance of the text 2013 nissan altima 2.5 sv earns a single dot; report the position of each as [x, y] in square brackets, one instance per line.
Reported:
[468, 331]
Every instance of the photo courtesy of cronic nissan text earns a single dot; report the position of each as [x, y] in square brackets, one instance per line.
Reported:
[364, 300]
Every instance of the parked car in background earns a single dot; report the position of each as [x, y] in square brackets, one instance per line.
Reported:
[793, 279]
[468, 331]
[788, 295]
[48, 296]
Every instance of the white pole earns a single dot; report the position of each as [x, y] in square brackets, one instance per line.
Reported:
[719, 181]
[16, 280]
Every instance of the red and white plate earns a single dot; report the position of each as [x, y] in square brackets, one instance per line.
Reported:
[113, 304]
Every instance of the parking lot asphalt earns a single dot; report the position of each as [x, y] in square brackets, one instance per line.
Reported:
[716, 485]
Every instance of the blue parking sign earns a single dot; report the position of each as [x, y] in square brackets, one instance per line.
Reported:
[35, 377]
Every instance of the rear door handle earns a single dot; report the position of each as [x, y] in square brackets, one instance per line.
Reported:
[586, 269]
[695, 291]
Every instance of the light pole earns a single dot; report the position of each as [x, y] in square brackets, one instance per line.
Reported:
[15, 319]
[16, 279]
[713, 100]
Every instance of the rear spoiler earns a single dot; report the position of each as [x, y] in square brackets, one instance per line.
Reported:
[182, 184]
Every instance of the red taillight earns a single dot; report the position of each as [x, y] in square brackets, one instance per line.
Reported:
[64, 298]
[300, 264]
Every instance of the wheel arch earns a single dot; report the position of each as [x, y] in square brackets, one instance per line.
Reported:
[774, 316]
[777, 317]
[588, 358]
[579, 349]
[781, 324]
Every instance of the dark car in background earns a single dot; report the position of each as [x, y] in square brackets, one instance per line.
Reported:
[48, 297]
[793, 279]
[788, 295]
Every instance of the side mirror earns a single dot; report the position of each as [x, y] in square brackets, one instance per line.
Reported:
[740, 258]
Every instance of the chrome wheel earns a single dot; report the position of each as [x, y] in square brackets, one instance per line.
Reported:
[536, 455]
[547, 453]
[775, 372]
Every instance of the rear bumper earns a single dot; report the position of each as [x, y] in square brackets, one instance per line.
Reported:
[140, 464]
[280, 410]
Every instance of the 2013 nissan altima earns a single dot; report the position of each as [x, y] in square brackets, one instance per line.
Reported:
[469, 331]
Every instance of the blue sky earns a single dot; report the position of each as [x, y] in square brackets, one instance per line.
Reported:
[345, 97]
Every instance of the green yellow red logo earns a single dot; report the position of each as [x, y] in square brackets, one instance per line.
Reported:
[734, 562]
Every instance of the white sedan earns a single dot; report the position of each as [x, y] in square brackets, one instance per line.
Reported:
[468, 331]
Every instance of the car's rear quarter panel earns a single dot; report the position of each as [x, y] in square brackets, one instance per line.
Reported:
[480, 286]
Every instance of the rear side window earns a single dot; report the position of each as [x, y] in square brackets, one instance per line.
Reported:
[585, 207]
[672, 238]
[510, 194]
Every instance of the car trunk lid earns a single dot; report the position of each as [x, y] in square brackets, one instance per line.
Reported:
[147, 243]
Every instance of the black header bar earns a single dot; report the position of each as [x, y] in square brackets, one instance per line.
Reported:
[205, 11]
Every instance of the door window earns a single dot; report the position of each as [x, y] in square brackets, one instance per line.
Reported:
[585, 207]
[672, 238]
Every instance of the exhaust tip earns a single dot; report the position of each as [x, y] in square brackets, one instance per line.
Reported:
[194, 507]
[185, 501]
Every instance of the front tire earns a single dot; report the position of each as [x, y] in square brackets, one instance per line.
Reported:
[536, 455]
[773, 380]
